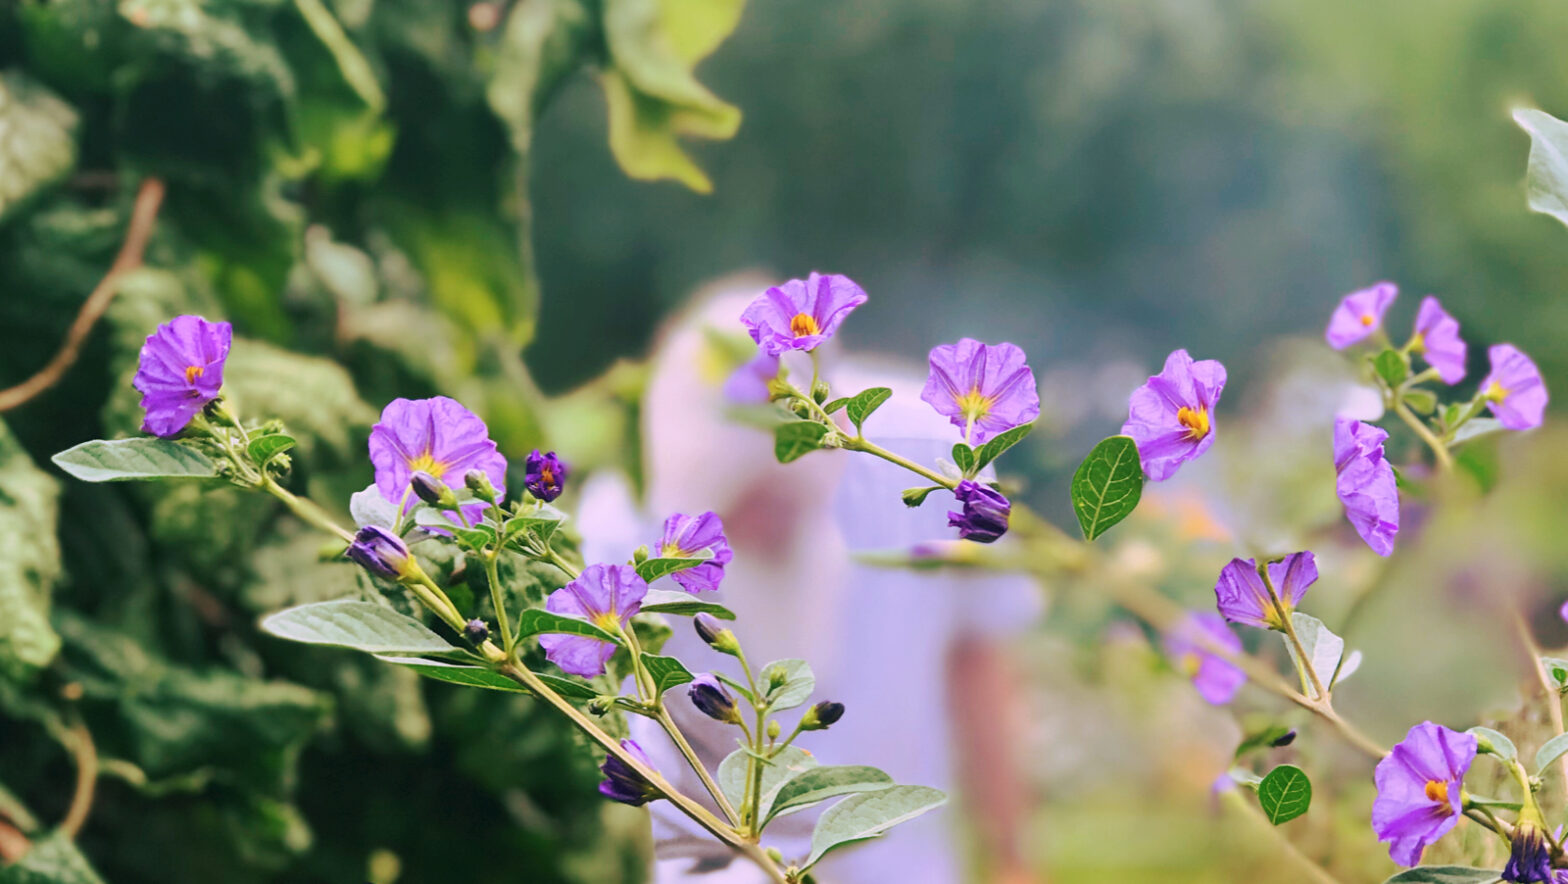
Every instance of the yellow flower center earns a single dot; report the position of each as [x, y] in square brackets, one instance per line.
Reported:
[1190, 663]
[1496, 392]
[1195, 420]
[1418, 343]
[192, 372]
[804, 324]
[607, 621]
[1368, 320]
[1437, 790]
[974, 404]
[426, 463]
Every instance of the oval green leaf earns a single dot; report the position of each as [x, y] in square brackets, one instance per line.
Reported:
[864, 403]
[1285, 793]
[865, 816]
[667, 672]
[796, 439]
[1495, 743]
[993, 449]
[362, 626]
[822, 783]
[122, 460]
[1107, 485]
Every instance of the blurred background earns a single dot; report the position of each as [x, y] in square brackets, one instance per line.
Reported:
[529, 205]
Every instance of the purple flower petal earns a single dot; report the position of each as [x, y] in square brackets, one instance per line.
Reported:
[1242, 597]
[983, 389]
[607, 596]
[1514, 390]
[436, 436]
[748, 385]
[180, 370]
[1418, 786]
[686, 536]
[1216, 679]
[1366, 484]
[1172, 416]
[1359, 314]
[801, 314]
[1437, 340]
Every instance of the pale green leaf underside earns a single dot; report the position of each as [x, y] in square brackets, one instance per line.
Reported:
[361, 626]
[120, 460]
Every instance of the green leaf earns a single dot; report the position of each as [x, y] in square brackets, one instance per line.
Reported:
[1476, 427]
[821, 783]
[1422, 401]
[458, 673]
[29, 510]
[864, 403]
[37, 139]
[1391, 367]
[53, 859]
[1557, 670]
[836, 404]
[121, 460]
[1546, 180]
[797, 683]
[1285, 793]
[1261, 739]
[795, 439]
[265, 448]
[362, 626]
[788, 764]
[1445, 875]
[537, 621]
[684, 604]
[572, 690]
[1324, 649]
[1549, 752]
[667, 672]
[993, 449]
[1107, 485]
[914, 497]
[964, 458]
[865, 816]
[1495, 743]
[652, 569]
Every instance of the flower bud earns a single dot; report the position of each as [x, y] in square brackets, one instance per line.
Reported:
[819, 391]
[622, 781]
[476, 631]
[601, 705]
[382, 553]
[479, 484]
[432, 490]
[985, 515]
[546, 475]
[710, 630]
[822, 716]
[774, 729]
[800, 408]
[640, 554]
[775, 676]
[712, 700]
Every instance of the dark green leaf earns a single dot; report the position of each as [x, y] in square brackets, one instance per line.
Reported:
[661, 601]
[1391, 367]
[29, 509]
[537, 621]
[1285, 793]
[795, 439]
[964, 458]
[667, 672]
[867, 815]
[1107, 485]
[836, 404]
[53, 859]
[993, 449]
[821, 783]
[265, 448]
[362, 626]
[916, 496]
[1261, 739]
[458, 673]
[1557, 670]
[572, 690]
[120, 460]
[37, 139]
[864, 403]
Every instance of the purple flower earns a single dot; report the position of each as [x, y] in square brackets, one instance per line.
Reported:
[622, 782]
[180, 370]
[985, 514]
[545, 475]
[748, 385]
[606, 596]
[801, 314]
[1172, 416]
[1216, 679]
[1418, 786]
[435, 436]
[1514, 390]
[381, 553]
[712, 700]
[1359, 314]
[1243, 598]
[1437, 340]
[1366, 483]
[1529, 856]
[685, 537]
[983, 389]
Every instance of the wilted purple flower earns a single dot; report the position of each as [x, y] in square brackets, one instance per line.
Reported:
[381, 553]
[748, 385]
[1529, 856]
[1359, 314]
[983, 389]
[687, 536]
[707, 693]
[606, 596]
[801, 314]
[622, 782]
[180, 370]
[545, 475]
[1366, 484]
[435, 436]
[1418, 786]
[1172, 416]
[1514, 390]
[1243, 598]
[985, 514]
[1437, 340]
[1216, 678]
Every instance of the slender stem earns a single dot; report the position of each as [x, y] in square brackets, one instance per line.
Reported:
[646, 689]
[1288, 847]
[1471, 410]
[554, 558]
[683, 803]
[502, 621]
[753, 809]
[671, 728]
[307, 510]
[434, 597]
[1554, 708]
[85, 754]
[876, 450]
[1309, 673]
[1439, 450]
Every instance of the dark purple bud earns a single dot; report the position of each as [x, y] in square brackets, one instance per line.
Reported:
[381, 553]
[1530, 859]
[822, 716]
[546, 474]
[710, 630]
[985, 514]
[1285, 739]
[622, 782]
[430, 489]
[711, 699]
[476, 631]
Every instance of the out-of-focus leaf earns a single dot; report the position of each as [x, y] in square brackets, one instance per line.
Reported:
[28, 510]
[542, 43]
[53, 859]
[1445, 875]
[1324, 649]
[37, 139]
[212, 40]
[1494, 742]
[1547, 177]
